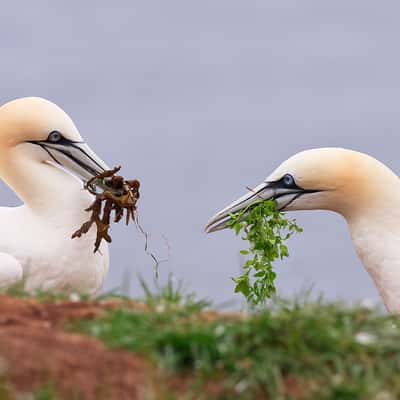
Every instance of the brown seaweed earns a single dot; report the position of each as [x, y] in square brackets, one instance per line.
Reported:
[119, 196]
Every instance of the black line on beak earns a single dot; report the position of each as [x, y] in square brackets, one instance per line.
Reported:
[79, 162]
[48, 145]
[291, 201]
[86, 154]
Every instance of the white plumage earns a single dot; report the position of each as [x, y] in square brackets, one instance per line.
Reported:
[39, 147]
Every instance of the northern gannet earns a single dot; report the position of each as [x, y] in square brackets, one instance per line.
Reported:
[357, 186]
[39, 148]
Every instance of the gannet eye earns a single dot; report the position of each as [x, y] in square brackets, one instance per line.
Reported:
[288, 180]
[54, 137]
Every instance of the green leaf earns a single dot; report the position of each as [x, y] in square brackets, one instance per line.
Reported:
[284, 251]
[266, 229]
[242, 285]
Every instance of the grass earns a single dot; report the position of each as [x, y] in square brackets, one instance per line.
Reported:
[299, 349]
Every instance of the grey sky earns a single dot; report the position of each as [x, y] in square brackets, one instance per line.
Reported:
[199, 99]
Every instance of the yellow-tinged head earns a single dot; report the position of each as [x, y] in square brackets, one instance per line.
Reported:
[36, 129]
[33, 118]
[340, 180]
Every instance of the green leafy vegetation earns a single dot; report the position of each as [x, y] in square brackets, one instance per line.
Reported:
[266, 229]
[292, 350]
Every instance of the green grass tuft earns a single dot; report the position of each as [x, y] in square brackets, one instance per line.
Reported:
[172, 297]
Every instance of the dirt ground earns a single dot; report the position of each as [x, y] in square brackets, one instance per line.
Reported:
[36, 351]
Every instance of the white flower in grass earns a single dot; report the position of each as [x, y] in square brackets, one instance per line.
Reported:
[365, 338]
[161, 307]
[241, 386]
[74, 297]
[220, 330]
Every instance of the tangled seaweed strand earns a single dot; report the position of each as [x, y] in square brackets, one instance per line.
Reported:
[122, 196]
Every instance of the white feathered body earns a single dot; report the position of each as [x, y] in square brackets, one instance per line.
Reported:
[49, 258]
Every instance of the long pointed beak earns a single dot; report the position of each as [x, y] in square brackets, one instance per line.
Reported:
[267, 190]
[76, 157]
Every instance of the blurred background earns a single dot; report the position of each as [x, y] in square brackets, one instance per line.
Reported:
[201, 99]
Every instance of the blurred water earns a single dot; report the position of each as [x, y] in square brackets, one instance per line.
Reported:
[200, 99]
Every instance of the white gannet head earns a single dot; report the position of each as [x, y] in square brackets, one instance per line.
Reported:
[37, 129]
[340, 180]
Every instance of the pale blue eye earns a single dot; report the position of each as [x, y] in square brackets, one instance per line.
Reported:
[288, 180]
[54, 137]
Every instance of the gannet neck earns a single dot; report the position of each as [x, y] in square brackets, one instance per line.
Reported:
[369, 200]
[368, 197]
[42, 187]
[376, 239]
[367, 194]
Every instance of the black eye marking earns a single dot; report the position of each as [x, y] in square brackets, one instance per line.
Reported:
[55, 137]
[289, 181]
[287, 186]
